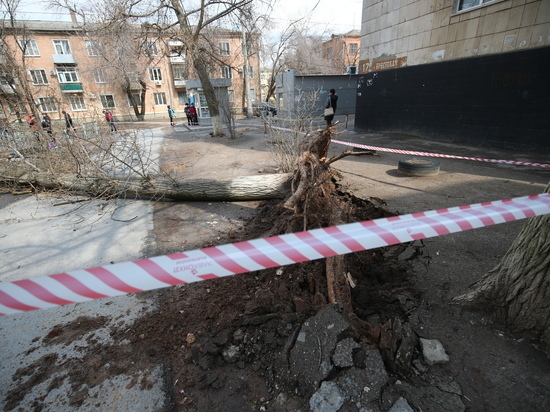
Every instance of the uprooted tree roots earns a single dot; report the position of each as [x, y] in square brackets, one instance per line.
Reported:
[316, 201]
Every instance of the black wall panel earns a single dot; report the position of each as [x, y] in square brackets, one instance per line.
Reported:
[495, 100]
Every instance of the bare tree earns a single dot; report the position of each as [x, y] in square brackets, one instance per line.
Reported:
[190, 22]
[339, 54]
[126, 51]
[176, 19]
[275, 50]
[305, 55]
[252, 20]
[15, 90]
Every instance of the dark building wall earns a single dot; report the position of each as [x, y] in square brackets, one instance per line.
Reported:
[309, 93]
[495, 100]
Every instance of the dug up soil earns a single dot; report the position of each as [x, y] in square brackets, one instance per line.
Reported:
[226, 344]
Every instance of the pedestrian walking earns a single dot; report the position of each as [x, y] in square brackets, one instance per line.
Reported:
[47, 123]
[330, 107]
[110, 119]
[33, 125]
[47, 126]
[172, 115]
[68, 121]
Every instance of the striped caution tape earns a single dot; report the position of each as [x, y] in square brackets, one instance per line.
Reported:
[427, 154]
[230, 259]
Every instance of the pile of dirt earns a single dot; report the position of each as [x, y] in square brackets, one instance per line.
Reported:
[230, 344]
[232, 353]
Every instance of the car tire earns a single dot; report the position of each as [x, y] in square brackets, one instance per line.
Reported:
[418, 167]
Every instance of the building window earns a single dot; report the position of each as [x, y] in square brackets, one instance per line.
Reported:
[38, 77]
[67, 74]
[137, 99]
[6, 78]
[99, 75]
[224, 48]
[180, 71]
[160, 98]
[353, 49]
[92, 48]
[250, 72]
[231, 95]
[29, 47]
[62, 46]
[226, 72]
[15, 108]
[204, 111]
[464, 5]
[77, 103]
[182, 98]
[47, 104]
[150, 48]
[155, 73]
[177, 49]
[107, 101]
[253, 94]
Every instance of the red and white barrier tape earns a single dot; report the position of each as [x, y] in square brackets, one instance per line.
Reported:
[409, 152]
[427, 154]
[230, 259]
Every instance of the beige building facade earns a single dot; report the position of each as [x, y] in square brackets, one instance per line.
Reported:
[66, 71]
[341, 52]
[396, 33]
[460, 70]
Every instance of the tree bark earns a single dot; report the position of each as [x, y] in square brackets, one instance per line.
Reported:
[518, 289]
[314, 196]
[268, 186]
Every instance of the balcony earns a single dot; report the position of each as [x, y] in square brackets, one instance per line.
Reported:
[71, 87]
[177, 59]
[179, 83]
[6, 88]
[63, 59]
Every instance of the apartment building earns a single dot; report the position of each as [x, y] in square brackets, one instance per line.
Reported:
[341, 53]
[461, 70]
[66, 68]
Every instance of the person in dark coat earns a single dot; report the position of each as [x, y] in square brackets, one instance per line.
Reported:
[332, 100]
[68, 121]
[193, 114]
[187, 114]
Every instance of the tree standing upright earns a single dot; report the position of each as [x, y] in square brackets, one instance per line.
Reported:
[13, 68]
[518, 289]
[182, 20]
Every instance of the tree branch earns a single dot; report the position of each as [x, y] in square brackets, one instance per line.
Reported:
[351, 153]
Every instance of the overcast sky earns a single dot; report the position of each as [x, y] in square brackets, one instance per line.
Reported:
[329, 16]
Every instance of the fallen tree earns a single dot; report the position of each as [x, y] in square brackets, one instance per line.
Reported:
[316, 201]
[258, 187]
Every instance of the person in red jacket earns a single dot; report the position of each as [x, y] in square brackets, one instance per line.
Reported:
[109, 117]
[193, 115]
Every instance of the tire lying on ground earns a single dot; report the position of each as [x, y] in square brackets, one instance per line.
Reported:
[418, 167]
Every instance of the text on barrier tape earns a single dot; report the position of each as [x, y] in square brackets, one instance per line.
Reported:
[230, 259]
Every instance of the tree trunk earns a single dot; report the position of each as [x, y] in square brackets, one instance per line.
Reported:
[246, 76]
[314, 196]
[268, 186]
[210, 94]
[518, 289]
[191, 36]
